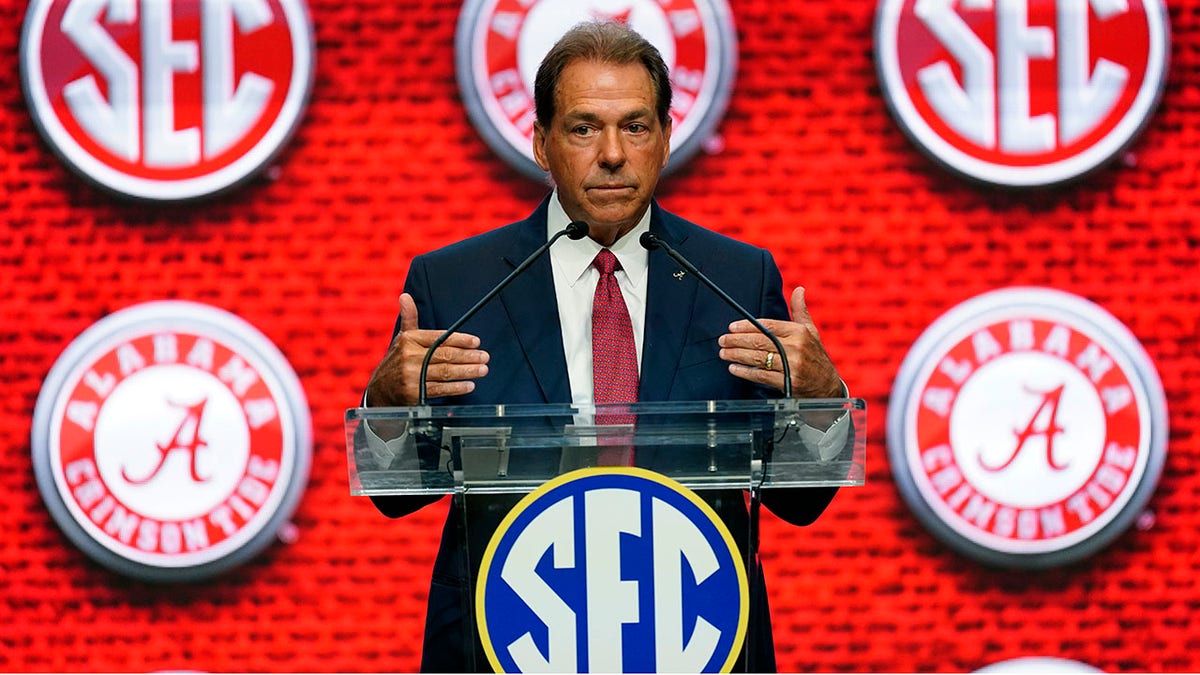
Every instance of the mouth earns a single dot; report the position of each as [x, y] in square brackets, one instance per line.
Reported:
[609, 187]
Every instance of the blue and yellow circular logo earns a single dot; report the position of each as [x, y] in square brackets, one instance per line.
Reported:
[612, 570]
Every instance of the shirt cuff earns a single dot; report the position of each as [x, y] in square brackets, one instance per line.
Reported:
[384, 451]
[829, 442]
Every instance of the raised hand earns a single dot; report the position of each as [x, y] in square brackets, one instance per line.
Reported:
[455, 364]
[752, 356]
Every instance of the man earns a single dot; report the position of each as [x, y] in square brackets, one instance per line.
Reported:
[602, 99]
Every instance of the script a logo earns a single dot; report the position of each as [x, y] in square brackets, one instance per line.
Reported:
[185, 439]
[612, 570]
[1022, 92]
[166, 99]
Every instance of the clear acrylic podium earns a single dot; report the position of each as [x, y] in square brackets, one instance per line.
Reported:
[497, 454]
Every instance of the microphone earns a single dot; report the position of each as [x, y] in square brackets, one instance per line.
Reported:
[576, 230]
[651, 241]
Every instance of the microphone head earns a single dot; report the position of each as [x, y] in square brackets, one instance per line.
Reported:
[649, 241]
[577, 230]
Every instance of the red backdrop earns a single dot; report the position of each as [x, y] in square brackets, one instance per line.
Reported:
[386, 165]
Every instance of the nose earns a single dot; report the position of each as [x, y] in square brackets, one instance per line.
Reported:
[612, 149]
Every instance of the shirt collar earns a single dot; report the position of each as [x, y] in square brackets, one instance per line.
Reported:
[575, 257]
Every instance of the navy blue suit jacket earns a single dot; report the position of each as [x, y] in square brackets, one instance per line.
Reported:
[520, 330]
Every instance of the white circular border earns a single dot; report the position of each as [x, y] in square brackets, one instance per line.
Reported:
[1039, 665]
[259, 352]
[905, 113]
[951, 327]
[33, 83]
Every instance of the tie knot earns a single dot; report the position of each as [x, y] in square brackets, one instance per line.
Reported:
[606, 262]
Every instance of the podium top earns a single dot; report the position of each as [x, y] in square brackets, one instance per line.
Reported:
[770, 443]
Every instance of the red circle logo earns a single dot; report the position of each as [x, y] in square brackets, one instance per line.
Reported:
[1028, 427]
[501, 43]
[166, 99]
[171, 440]
[1022, 93]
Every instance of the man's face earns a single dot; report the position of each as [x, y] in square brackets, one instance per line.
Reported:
[605, 147]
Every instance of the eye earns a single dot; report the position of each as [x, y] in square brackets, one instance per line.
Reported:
[583, 131]
[637, 128]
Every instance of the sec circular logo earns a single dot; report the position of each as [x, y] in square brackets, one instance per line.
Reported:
[166, 100]
[1027, 428]
[499, 45]
[1021, 93]
[171, 441]
[612, 570]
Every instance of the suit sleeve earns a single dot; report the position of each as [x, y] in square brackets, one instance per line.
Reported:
[417, 285]
[798, 506]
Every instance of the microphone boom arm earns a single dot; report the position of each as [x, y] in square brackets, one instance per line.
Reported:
[575, 230]
[651, 241]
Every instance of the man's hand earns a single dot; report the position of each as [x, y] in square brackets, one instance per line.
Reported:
[397, 379]
[752, 355]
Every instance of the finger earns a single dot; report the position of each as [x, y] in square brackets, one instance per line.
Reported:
[442, 389]
[753, 358]
[455, 372]
[800, 307]
[426, 338]
[756, 340]
[408, 312]
[779, 327]
[758, 375]
[456, 356]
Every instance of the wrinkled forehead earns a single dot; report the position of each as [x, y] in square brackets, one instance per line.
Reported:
[585, 83]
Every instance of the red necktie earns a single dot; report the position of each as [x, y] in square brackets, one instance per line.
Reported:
[614, 356]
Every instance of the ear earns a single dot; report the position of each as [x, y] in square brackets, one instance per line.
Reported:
[666, 142]
[539, 146]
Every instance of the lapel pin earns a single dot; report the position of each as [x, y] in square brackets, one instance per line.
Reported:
[679, 275]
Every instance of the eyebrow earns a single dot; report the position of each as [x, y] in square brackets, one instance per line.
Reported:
[585, 116]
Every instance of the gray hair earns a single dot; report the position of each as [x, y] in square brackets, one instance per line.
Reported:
[602, 42]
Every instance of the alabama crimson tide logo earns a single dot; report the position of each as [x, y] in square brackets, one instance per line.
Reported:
[1022, 92]
[171, 441]
[166, 99]
[500, 44]
[1027, 428]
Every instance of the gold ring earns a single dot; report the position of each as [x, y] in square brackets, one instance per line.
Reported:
[770, 360]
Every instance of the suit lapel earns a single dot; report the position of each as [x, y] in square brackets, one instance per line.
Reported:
[670, 299]
[533, 310]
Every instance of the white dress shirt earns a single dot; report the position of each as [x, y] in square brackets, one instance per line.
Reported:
[575, 282]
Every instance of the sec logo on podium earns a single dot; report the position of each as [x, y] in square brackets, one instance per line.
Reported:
[612, 570]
